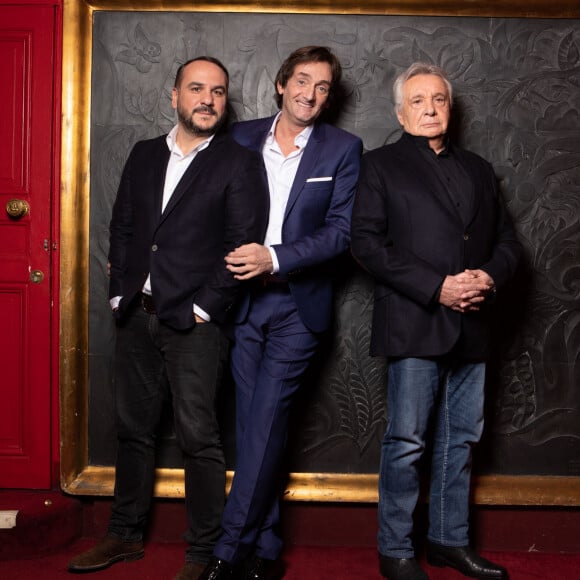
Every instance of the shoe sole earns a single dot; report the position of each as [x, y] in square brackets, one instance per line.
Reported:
[442, 562]
[132, 556]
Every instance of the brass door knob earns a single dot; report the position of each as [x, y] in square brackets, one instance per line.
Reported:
[37, 276]
[17, 208]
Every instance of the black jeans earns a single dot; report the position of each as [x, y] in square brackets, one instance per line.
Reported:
[152, 360]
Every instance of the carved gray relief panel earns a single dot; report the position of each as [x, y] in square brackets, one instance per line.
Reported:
[517, 87]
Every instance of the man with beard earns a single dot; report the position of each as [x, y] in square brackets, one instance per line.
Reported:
[185, 201]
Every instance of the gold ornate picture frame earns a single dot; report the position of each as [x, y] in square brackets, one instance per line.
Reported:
[77, 476]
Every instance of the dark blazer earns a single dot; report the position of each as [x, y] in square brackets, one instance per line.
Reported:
[220, 203]
[407, 233]
[316, 225]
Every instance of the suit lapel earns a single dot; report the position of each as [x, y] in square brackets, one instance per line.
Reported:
[308, 161]
[475, 179]
[189, 176]
[256, 143]
[159, 173]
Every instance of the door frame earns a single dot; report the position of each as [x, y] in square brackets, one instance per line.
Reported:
[56, 241]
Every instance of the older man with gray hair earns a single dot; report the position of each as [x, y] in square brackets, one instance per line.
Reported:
[429, 225]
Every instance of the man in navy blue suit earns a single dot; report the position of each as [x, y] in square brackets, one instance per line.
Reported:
[312, 172]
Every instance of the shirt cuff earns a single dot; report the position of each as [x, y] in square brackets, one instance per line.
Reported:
[201, 313]
[114, 302]
[275, 263]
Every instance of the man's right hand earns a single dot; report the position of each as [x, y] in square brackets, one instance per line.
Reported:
[249, 261]
[464, 292]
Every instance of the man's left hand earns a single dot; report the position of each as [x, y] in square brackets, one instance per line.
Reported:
[485, 278]
[249, 261]
[489, 287]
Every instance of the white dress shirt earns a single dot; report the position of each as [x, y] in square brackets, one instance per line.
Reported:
[281, 172]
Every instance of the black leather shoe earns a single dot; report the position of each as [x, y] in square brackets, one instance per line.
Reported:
[464, 560]
[263, 569]
[217, 570]
[401, 569]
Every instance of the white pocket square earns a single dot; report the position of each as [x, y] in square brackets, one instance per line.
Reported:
[314, 179]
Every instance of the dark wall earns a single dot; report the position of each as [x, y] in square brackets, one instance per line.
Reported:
[517, 88]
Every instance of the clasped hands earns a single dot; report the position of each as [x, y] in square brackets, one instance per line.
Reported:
[464, 292]
[249, 261]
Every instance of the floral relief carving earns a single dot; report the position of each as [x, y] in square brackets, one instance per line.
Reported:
[517, 89]
[140, 52]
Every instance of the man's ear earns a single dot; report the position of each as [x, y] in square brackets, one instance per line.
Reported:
[400, 118]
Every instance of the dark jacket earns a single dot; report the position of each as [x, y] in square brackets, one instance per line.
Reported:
[220, 203]
[409, 236]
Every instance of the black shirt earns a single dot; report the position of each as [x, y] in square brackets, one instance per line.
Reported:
[451, 175]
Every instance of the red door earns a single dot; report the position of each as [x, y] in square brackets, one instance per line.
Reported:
[26, 175]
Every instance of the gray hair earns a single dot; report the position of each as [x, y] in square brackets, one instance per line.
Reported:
[419, 68]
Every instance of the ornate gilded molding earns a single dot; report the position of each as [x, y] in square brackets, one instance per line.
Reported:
[77, 476]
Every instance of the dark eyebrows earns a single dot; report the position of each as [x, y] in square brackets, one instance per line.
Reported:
[307, 76]
[198, 84]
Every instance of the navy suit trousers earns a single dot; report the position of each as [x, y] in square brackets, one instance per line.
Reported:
[271, 352]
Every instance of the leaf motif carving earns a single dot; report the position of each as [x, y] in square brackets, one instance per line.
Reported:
[360, 391]
[131, 102]
[129, 56]
[568, 53]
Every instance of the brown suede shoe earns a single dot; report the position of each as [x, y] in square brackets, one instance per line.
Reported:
[108, 551]
[190, 571]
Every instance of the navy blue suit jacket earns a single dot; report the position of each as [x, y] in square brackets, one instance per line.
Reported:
[220, 203]
[316, 225]
[409, 236]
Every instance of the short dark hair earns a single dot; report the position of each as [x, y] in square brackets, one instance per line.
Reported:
[211, 59]
[303, 55]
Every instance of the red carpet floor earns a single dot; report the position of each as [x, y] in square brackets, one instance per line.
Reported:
[162, 561]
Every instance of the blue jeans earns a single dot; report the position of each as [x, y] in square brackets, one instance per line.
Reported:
[152, 363]
[447, 396]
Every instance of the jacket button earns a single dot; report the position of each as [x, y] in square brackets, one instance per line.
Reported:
[154, 247]
[465, 237]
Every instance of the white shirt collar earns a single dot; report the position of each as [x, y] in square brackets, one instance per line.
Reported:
[301, 139]
[174, 147]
